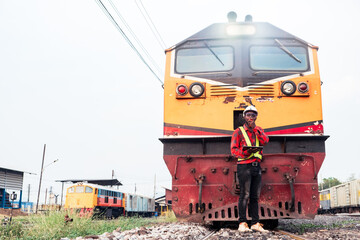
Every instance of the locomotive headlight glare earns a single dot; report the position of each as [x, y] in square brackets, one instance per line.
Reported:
[196, 89]
[238, 30]
[181, 89]
[303, 87]
[288, 88]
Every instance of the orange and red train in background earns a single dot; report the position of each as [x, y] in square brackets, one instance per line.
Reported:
[96, 199]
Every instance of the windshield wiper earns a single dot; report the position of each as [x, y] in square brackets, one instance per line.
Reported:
[287, 51]
[214, 53]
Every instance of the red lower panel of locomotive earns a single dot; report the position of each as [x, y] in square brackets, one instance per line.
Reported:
[205, 188]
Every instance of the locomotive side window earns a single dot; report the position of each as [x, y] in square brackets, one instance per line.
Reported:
[274, 58]
[204, 59]
[88, 190]
[71, 190]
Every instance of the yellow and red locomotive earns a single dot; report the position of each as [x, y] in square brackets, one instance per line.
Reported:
[210, 78]
[95, 199]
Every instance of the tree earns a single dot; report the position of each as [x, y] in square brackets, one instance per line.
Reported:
[351, 178]
[329, 182]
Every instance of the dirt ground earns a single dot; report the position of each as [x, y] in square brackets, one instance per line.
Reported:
[15, 212]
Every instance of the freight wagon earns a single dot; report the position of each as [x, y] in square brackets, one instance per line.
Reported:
[139, 205]
[341, 198]
[100, 200]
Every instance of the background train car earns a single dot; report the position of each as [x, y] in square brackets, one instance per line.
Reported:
[95, 199]
[139, 205]
[324, 197]
[343, 198]
[108, 202]
[210, 78]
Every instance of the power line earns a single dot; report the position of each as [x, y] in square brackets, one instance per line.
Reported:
[134, 36]
[111, 18]
[151, 25]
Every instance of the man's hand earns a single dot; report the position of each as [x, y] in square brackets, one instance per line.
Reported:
[251, 125]
[253, 150]
[257, 130]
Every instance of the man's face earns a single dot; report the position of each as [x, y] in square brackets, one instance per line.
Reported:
[250, 117]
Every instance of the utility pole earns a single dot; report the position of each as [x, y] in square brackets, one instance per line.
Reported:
[62, 191]
[154, 185]
[112, 175]
[41, 172]
[45, 196]
[51, 196]
[322, 183]
[28, 200]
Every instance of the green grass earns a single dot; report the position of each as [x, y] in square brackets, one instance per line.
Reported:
[52, 226]
[306, 227]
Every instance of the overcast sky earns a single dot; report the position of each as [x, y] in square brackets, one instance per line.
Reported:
[68, 79]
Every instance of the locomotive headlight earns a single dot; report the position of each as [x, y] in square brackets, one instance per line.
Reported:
[288, 88]
[181, 89]
[303, 87]
[196, 89]
[237, 30]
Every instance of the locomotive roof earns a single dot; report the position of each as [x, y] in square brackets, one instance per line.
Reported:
[105, 188]
[95, 186]
[219, 31]
[102, 182]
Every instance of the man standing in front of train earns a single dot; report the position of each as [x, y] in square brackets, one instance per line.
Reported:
[248, 167]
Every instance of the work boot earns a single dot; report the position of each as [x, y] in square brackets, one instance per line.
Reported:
[243, 227]
[258, 228]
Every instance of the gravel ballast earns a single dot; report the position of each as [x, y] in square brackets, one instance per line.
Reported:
[322, 227]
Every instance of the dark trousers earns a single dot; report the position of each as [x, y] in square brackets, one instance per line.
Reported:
[250, 186]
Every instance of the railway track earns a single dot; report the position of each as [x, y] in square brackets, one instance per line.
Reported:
[282, 232]
[296, 237]
[327, 227]
[207, 236]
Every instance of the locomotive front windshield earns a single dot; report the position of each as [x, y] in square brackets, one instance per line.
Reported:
[274, 58]
[204, 59]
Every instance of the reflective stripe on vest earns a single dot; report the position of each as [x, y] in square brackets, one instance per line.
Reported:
[248, 143]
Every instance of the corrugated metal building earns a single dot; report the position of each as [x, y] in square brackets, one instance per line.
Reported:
[11, 182]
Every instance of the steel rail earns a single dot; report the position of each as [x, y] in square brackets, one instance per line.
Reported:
[208, 235]
[296, 237]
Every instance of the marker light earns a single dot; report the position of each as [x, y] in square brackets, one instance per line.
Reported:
[303, 87]
[196, 89]
[288, 88]
[181, 89]
[238, 30]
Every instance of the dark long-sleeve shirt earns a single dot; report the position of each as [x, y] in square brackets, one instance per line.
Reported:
[238, 142]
